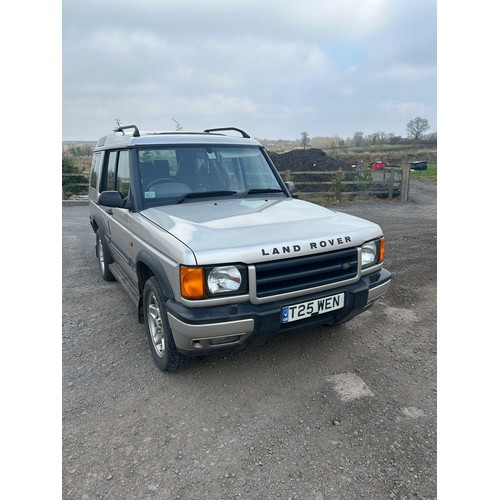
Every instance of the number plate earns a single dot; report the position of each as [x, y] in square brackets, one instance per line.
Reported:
[312, 308]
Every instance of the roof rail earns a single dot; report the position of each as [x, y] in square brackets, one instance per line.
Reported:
[242, 132]
[123, 127]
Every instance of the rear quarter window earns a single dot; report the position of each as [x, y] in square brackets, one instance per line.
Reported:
[94, 169]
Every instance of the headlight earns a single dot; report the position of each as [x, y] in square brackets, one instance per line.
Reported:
[200, 282]
[224, 279]
[372, 253]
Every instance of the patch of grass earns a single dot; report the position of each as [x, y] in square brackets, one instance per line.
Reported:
[429, 175]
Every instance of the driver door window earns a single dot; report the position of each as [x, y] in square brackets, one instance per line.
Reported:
[117, 176]
[123, 174]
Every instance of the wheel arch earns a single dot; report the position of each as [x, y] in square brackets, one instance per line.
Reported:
[147, 266]
[96, 220]
[94, 225]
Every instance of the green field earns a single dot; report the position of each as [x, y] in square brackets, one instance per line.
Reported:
[426, 175]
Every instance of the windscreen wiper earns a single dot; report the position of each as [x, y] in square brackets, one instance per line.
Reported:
[260, 191]
[202, 194]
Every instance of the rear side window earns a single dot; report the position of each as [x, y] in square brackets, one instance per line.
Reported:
[94, 169]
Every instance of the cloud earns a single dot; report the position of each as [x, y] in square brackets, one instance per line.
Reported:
[275, 66]
[409, 109]
[405, 73]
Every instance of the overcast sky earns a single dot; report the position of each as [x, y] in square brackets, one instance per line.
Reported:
[274, 68]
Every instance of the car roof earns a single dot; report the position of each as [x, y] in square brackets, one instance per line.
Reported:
[120, 139]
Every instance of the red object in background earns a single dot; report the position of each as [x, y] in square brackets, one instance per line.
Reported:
[378, 165]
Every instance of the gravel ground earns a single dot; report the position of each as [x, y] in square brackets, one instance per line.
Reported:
[342, 412]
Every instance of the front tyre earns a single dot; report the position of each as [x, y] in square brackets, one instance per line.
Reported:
[161, 342]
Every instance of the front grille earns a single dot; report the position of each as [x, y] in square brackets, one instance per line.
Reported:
[299, 273]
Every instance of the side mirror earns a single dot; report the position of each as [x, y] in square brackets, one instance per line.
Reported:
[112, 199]
[290, 186]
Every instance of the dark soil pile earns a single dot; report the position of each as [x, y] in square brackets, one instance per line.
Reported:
[307, 160]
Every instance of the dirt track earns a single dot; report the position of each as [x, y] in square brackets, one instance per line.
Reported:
[334, 413]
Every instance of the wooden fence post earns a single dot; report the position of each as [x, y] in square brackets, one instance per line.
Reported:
[405, 182]
[391, 184]
[339, 185]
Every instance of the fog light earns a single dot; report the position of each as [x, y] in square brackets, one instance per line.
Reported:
[224, 340]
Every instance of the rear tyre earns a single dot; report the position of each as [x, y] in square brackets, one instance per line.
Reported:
[104, 256]
[161, 343]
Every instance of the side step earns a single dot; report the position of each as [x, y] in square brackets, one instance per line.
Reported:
[125, 282]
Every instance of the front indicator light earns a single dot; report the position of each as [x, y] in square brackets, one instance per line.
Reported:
[192, 282]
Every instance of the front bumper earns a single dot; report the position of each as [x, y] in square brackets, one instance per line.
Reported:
[201, 330]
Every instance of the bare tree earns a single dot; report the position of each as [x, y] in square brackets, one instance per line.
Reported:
[416, 128]
[305, 139]
[358, 138]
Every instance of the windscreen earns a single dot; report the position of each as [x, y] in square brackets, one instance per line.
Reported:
[169, 172]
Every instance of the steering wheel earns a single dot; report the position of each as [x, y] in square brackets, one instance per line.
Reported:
[159, 181]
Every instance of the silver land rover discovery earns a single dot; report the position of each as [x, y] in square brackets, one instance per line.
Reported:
[212, 248]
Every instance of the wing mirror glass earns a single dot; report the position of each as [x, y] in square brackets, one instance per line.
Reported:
[290, 186]
[112, 199]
